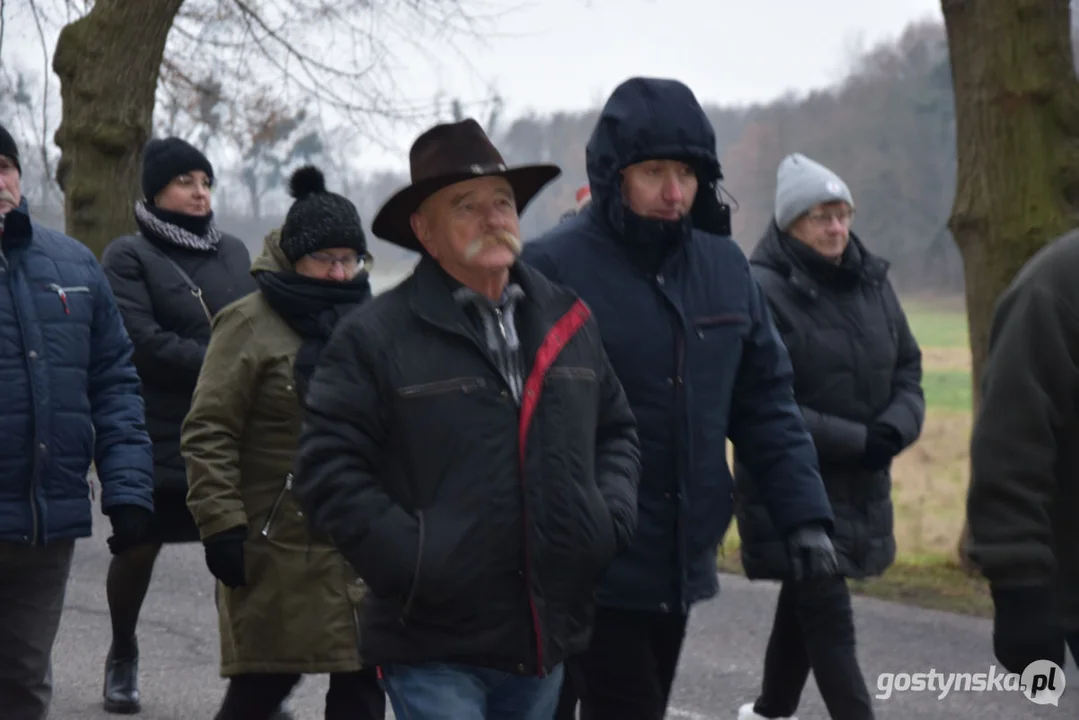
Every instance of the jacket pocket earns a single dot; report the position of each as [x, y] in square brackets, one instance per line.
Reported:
[451, 558]
[66, 295]
[704, 326]
[275, 509]
[441, 387]
[411, 599]
[572, 373]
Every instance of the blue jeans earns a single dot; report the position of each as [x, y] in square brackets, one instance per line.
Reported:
[435, 691]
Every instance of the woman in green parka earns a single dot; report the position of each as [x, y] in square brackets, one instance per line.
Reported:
[286, 598]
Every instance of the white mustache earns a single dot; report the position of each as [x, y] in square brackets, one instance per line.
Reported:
[5, 195]
[503, 237]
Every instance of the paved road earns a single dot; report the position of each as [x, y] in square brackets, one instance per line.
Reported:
[720, 668]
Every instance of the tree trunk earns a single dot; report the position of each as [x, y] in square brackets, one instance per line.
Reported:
[1017, 125]
[108, 63]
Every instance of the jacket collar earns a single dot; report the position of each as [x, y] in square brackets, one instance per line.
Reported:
[431, 299]
[18, 229]
[772, 254]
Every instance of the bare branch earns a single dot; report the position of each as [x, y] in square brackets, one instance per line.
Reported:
[43, 145]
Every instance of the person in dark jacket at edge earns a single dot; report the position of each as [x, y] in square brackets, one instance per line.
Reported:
[691, 339]
[169, 279]
[1023, 503]
[857, 380]
[469, 448]
[70, 396]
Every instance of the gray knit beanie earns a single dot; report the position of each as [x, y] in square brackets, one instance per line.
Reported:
[802, 183]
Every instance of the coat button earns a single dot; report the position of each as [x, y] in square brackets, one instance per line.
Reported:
[670, 381]
[32, 355]
[664, 607]
[660, 280]
[42, 447]
[520, 667]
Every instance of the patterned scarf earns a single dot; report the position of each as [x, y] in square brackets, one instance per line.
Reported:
[152, 226]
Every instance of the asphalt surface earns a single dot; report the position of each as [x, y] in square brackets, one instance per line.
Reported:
[720, 668]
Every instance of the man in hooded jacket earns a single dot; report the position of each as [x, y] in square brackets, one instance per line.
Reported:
[690, 337]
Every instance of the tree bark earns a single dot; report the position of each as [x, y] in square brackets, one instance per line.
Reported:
[1017, 125]
[108, 63]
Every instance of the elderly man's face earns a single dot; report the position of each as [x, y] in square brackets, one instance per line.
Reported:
[471, 226]
[10, 186]
[659, 189]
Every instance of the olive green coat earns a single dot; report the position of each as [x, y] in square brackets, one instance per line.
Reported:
[297, 613]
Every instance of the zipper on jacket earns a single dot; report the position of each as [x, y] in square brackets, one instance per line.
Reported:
[38, 462]
[61, 292]
[461, 384]
[276, 505]
[501, 322]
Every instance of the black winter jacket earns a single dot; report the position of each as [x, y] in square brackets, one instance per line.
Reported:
[480, 527]
[855, 363]
[169, 329]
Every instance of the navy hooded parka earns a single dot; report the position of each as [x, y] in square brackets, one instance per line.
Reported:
[695, 349]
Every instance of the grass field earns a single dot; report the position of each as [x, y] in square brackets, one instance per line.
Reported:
[930, 478]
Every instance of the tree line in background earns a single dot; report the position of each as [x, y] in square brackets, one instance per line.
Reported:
[888, 129]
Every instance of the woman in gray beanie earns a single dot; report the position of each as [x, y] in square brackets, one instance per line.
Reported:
[857, 379]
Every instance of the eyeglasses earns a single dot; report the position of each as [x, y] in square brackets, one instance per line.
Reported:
[349, 263]
[824, 219]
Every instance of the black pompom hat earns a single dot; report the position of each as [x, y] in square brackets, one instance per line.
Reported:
[319, 219]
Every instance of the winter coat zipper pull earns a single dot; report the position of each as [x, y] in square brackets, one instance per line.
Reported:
[63, 298]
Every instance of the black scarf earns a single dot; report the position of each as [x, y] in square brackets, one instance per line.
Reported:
[650, 241]
[312, 308]
[843, 274]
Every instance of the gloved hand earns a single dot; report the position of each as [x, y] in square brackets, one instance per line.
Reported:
[812, 554]
[130, 526]
[882, 443]
[1024, 627]
[225, 556]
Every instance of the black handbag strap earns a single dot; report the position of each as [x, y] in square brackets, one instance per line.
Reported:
[191, 286]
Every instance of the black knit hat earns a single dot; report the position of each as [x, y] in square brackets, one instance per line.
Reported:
[163, 160]
[319, 219]
[9, 149]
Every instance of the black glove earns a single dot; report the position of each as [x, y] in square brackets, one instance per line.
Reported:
[130, 526]
[812, 554]
[225, 556]
[1024, 627]
[882, 443]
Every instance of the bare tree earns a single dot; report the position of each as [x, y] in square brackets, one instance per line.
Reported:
[214, 64]
[1017, 125]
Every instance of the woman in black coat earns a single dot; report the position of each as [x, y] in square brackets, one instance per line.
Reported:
[857, 379]
[169, 280]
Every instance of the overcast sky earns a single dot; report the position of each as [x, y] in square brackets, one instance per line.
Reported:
[552, 55]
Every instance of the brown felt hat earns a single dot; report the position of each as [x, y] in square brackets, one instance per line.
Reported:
[448, 154]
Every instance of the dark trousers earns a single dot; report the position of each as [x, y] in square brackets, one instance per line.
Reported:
[352, 696]
[629, 667]
[33, 582]
[814, 629]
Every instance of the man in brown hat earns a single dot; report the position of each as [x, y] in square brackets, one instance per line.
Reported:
[469, 449]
